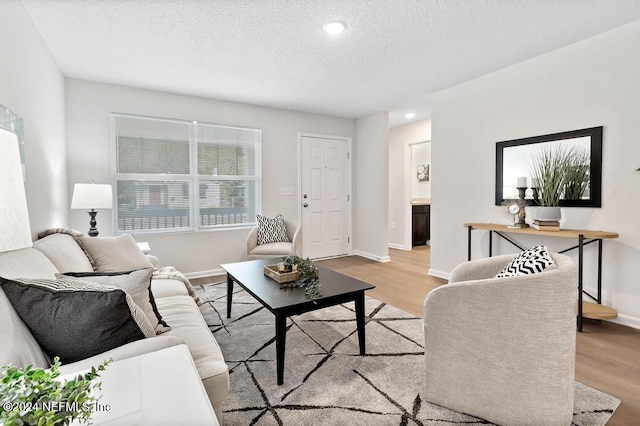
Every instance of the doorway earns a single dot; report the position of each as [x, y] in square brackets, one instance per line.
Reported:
[325, 188]
[417, 196]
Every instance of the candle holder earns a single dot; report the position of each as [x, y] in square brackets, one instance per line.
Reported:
[522, 213]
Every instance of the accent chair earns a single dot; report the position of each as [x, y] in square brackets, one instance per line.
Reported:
[278, 249]
[503, 349]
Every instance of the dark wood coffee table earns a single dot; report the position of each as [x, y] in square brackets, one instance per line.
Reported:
[336, 289]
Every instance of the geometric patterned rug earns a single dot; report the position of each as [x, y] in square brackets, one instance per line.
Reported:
[326, 382]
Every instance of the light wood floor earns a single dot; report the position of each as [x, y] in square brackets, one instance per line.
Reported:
[607, 355]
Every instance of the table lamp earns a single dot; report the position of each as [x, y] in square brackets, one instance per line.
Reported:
[15, 231]
[91, 196]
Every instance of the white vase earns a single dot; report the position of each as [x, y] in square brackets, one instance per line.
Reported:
[548, 213]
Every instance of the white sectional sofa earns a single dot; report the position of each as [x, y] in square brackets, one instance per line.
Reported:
[61, 253]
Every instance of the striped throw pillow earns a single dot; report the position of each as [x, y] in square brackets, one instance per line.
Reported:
[531, 261]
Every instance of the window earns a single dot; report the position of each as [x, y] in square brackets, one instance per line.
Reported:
[172, 175]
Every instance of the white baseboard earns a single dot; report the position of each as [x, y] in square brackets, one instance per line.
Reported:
[399, 247]
[372, 256]
[628, 320]
[439, 274]
[209, 273]
[331, 257]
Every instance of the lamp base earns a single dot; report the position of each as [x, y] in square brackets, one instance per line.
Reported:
[93, 231]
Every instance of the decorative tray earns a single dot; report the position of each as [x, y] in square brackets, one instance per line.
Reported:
[280, 277]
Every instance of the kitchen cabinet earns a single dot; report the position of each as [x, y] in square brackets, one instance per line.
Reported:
[421, 224]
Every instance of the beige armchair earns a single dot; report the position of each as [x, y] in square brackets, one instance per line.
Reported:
[503, 349]
[275, 250]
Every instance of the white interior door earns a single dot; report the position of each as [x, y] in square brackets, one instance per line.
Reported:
[325, 196]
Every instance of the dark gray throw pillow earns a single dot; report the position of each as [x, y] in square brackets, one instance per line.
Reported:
[136, 283]
[76, 319]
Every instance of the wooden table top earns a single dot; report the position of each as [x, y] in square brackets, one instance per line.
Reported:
[566, 233]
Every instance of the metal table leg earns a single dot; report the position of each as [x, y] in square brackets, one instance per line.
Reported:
[580, 264]
[490, 243]
[469, 243]
[599, 298]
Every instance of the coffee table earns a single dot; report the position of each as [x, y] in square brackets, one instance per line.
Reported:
[336, 289]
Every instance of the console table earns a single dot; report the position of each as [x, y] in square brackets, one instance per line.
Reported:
[584, 237]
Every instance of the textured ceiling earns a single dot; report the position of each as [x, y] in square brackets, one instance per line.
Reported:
[392, 56]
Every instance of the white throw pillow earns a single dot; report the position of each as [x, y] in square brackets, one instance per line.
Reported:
[64, 252]
[531, 261]
[115, 254]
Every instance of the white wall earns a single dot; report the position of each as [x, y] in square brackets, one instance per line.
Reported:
[32, 86]
[591, 83]
[400, 177]
[371, 187]
[88, 129]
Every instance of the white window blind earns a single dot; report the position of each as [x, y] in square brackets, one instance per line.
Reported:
[172, 175]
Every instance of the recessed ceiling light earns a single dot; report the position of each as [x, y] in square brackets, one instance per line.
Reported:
[410, 115]
[334, 27]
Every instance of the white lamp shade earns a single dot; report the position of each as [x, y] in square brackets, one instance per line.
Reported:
[15, 231]
[91, 196]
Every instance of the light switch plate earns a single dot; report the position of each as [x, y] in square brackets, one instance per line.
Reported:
[287, 190]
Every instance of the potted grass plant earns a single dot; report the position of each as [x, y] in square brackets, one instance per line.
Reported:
[549, 170]
[577, 174]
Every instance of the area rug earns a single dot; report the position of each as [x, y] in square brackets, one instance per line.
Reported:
[325, 380]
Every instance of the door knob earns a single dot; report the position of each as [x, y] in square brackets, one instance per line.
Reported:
[305, 205]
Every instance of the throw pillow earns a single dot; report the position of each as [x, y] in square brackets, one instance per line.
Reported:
[271, 230]
[64, 252]
[76, 319]
[113, 254]
[136, 283]
[531, 261]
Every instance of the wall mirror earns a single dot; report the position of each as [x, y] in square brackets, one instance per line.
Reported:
[514, 159]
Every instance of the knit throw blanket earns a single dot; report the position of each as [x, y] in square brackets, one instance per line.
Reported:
[75, 234]
[171, 273]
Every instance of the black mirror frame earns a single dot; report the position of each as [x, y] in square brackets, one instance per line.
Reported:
[595, 183]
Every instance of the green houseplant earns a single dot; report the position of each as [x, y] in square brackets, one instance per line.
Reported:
[577, 174]
[549, 171]
[307, 276]
[33, 396]
[559, 172]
